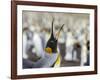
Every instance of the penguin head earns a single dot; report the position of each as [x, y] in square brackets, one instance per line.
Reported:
[51, 46]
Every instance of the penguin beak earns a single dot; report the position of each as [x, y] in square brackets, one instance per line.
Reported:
[58, 33]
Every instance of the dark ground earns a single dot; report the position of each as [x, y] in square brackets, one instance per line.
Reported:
[69, 63]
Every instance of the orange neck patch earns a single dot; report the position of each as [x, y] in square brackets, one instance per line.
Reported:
[48, 50]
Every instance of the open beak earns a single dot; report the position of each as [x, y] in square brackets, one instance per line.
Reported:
[58, 33]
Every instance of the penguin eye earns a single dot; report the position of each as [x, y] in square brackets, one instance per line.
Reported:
[52, 41]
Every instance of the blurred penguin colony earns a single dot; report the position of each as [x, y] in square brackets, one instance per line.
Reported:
[73, 42]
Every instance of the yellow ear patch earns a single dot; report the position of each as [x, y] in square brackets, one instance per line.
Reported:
[48, 50]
